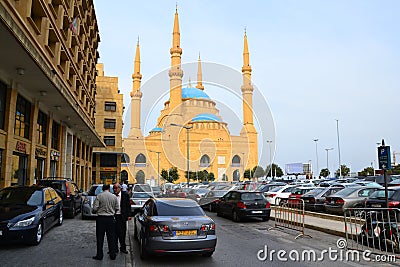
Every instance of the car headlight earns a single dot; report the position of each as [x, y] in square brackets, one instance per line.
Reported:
[24, 223]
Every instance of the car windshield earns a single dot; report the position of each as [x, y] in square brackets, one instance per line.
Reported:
[252, 196]
[315, 191]
[167, 209]
[276, 189]
[201, 190]
[22, 196]
[142, 188]
[347, 191]
[141, 195]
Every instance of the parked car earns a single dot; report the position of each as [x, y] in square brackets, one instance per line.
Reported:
[197, 193]
[142, 188]
[267, 187]
[350, 197]
[315, 199]
[378, 199]
[280, 194]
[71, 195]
[174, 226]
[156, 191]
[27, 212]
[88, 199]
[138, 199]
[210, 200]
[239, 204]
[183, 192]
[297, 192]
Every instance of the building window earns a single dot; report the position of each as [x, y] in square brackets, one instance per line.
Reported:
[140, 160]
[109, 123]
[3, 95]
[205, 161]
[78, 148]
[22, 117]
[108, 160]
[109, 140]
[55, 138]
[1, 162]
[110, 106]
[41, 128]
[236, 161]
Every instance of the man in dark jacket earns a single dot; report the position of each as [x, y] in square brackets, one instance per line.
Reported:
[122, 216]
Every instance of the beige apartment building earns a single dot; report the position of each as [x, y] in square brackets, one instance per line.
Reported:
[48, 57]
[190, 123]
[109, 111]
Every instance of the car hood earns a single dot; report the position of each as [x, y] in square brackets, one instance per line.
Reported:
[10, 211]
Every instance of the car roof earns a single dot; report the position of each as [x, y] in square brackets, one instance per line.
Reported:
[177, 201]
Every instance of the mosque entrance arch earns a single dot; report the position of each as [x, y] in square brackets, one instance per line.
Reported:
[140, 176]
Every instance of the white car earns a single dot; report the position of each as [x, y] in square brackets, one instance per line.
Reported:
[281, 192]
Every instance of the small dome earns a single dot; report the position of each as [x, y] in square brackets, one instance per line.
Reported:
[191, 92]
[156, 129]
[206, 117]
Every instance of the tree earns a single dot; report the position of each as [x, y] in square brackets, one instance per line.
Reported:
[170, 177]
[211, 176]
[276, 171]
[368, 171]
[224, 177]
[324, 173]
[247, 174]
[395, 170]
[258, 171]
[345, 170]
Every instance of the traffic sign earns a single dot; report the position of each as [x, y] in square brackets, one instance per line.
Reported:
[384, 158]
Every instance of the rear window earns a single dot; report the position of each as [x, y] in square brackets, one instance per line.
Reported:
[165, 209]
[315, 191]
[60, 185]
[141, 188]
[141, 195]
[347, 191]
[252, 196]
[380, 194]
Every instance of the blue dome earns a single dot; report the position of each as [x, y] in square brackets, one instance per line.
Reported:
[156, 129]
[191, 92]
[206, 117]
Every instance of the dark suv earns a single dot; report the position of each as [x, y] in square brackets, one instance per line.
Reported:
[243, 204]
[68, 190]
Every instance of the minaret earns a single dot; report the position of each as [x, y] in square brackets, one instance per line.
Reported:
[175, 73]
[247, 88]
[199, 75]
[136, 96]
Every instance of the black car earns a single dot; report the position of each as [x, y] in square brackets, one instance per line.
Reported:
[174, 226]
[315, 199]
[68, 190]
[240, 204]
[27, 212]
[378, 199]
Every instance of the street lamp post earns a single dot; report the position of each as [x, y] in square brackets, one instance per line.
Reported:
[316, 153]
[158, 166]
[243, 164]
[338, 143]
[327, 158]
[270, 156]
[187, 146]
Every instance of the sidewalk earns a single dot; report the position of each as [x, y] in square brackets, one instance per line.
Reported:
[330, 224]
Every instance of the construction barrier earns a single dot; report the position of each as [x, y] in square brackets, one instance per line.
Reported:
[373, 229]
[289, 213]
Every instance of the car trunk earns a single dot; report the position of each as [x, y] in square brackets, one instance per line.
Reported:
[181, 228]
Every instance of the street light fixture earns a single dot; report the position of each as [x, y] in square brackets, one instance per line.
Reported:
[270, 156]
[316, 153]
[158, 166]
[187, 146]
[327, 158]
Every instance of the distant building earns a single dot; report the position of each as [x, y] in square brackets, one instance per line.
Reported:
[109, 111]
[48, 53]
[190, 111]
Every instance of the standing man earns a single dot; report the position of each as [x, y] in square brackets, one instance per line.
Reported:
[105, 205]
[121, 217]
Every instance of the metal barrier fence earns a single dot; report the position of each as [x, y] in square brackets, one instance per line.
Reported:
[373, 229]
[289, 214]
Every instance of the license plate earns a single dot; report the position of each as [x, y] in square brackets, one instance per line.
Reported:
[332, 201]
[186, 232]
[256, 211]
[1, 232]
[376, 205]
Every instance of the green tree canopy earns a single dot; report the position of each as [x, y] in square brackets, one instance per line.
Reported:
[368, 171]
[258, 171]
[324, 173]
[276, 170]
[345, 171]
[170, 176]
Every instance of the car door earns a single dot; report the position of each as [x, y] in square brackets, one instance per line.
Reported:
[49, 210]
[142, 220]
[57, 204]
[223, 204]
[76, 198]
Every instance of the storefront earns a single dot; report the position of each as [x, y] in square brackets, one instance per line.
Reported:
[40, 157]
[19, 164]
[54, 158]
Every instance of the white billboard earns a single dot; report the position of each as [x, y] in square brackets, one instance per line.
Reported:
[294, 168]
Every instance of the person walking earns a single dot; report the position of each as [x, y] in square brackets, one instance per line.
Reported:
[121, 217]
[106, 206]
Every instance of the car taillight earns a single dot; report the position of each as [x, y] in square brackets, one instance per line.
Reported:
[393, 203]
[217, 201]
[197, 196]
[339, 201]
[68, 190]
[327, 200]
[268, 205]
[153, 228]
[132, 202]
[271, 195]
[312, 200]
[241, 205]
[207, 227]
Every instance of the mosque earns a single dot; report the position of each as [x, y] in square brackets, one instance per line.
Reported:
[189, 133]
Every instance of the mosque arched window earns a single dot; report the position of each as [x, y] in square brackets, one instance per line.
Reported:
[140, 160]
[236, 161]
[205, 161]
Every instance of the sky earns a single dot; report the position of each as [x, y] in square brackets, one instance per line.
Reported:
[319, 68]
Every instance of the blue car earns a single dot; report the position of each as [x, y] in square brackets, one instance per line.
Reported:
[27, 212]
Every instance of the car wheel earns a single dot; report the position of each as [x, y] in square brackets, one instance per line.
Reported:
[38, 236]
[235, 216]
[72, 213]
[60, 217]
[143, 252]
[208, 254]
